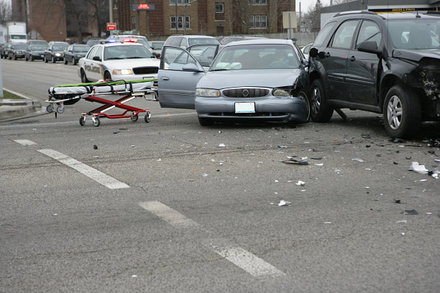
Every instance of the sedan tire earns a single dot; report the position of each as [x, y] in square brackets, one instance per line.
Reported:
[205, 121]
[401, 112]
[83, 77]
[320, 110]
[53, 59]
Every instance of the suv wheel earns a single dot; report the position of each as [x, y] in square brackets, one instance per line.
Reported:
[320, 110]
[402, 112]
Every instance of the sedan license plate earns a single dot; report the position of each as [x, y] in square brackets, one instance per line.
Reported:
[244, 107]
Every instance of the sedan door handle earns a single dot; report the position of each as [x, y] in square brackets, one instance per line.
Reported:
[165, 78]
[352, 58]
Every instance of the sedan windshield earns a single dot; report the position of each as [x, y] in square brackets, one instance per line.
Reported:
[415, 34]
[126, 52]
[59, 47]
[20, 46]
[256, 57]
[38, 47]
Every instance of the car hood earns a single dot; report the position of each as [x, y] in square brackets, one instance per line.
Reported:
[416, 55]
[252, 78]
[130, 63]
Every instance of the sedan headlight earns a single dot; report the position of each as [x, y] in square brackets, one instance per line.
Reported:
[58, 54]
[280, 93]
[122, 71]
[207, 93]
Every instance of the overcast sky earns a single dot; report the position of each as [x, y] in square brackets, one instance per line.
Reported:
[306, 4]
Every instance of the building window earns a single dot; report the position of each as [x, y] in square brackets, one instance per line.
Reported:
[258, 21]
[180, 22]
[173, 2]
[219, 7]
[257, 2]
[133, 22]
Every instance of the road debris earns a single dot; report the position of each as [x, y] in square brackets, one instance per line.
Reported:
[282, 146]
[300, 183]
[222, 145]
[291, 160]
[283, 203]
[402, 222]
[410, 212]
[358, 160]
[416, 167]
[95, 147]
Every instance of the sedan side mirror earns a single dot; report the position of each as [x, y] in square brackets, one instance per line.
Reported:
[96, 58]
[313, 52]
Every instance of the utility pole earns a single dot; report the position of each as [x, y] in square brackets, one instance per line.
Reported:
[110, 10]
[176, 16]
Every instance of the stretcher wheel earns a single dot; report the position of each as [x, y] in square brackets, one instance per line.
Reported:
[96, 122]
[60, 109]
[82, 121]
[134, 118]
[49, 108]
[148, 117]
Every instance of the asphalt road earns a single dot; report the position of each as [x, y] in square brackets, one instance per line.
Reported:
[171, 206]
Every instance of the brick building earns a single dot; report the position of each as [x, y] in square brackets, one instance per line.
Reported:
[58, 20]
[210, 17]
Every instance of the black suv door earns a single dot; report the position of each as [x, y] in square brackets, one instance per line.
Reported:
[362, 67]
[335, 60]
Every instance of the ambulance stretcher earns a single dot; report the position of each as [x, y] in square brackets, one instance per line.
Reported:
[69, 94]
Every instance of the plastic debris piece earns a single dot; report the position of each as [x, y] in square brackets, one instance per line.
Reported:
[397, 201]
[283, 203]
[397, 140]
[134, 276]
[319, 164]
[327, 223]
[358, 160]
[403, 233]
[205, 175]
[410, 212]
[159, 160]
[276, 181]
[402, 222]
[222, 145]
[416, 167]
[365, 135]
[95, 147]
[282, 146]
[302, 161]
[300, 183]
[428, 213]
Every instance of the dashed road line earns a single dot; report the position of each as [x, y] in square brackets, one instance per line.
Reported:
[84, 169]
[240, 257]
[25, 142]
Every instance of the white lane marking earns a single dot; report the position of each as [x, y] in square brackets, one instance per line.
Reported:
[173, 217]
[242, 258]
[247, 261]
[84, 169]
[25, 142]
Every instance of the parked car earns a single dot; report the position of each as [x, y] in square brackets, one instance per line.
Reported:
[17, 50]
[156, 47]
[261, 79]
[306, 49]
[116, 61]
[35, 50]
[185, 41]
[94, 41]
[383, 63]
[55, 51]
[75, 52]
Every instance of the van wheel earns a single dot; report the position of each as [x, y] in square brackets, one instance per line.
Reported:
[320, 110]
[401, 112]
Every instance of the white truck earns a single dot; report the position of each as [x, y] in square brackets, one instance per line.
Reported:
[16, 32]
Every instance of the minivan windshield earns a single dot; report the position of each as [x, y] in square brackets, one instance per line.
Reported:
[415, 34]
[256, 57]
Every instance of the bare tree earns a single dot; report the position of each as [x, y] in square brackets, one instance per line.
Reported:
[314, 16]
[77, 19]
[5, 11]
[99, 11]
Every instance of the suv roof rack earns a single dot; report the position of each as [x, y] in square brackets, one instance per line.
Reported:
[355, 12]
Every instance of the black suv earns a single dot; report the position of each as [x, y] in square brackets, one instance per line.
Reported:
[383, 63]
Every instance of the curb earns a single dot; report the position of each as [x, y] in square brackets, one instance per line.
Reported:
[10, 109]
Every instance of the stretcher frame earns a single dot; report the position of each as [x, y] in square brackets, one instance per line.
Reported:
[95, 92]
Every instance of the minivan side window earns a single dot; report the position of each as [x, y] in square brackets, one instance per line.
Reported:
[319, 41]
[369, 32]
[343, 37]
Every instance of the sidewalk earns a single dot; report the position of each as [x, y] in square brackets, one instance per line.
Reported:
[18, 108]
